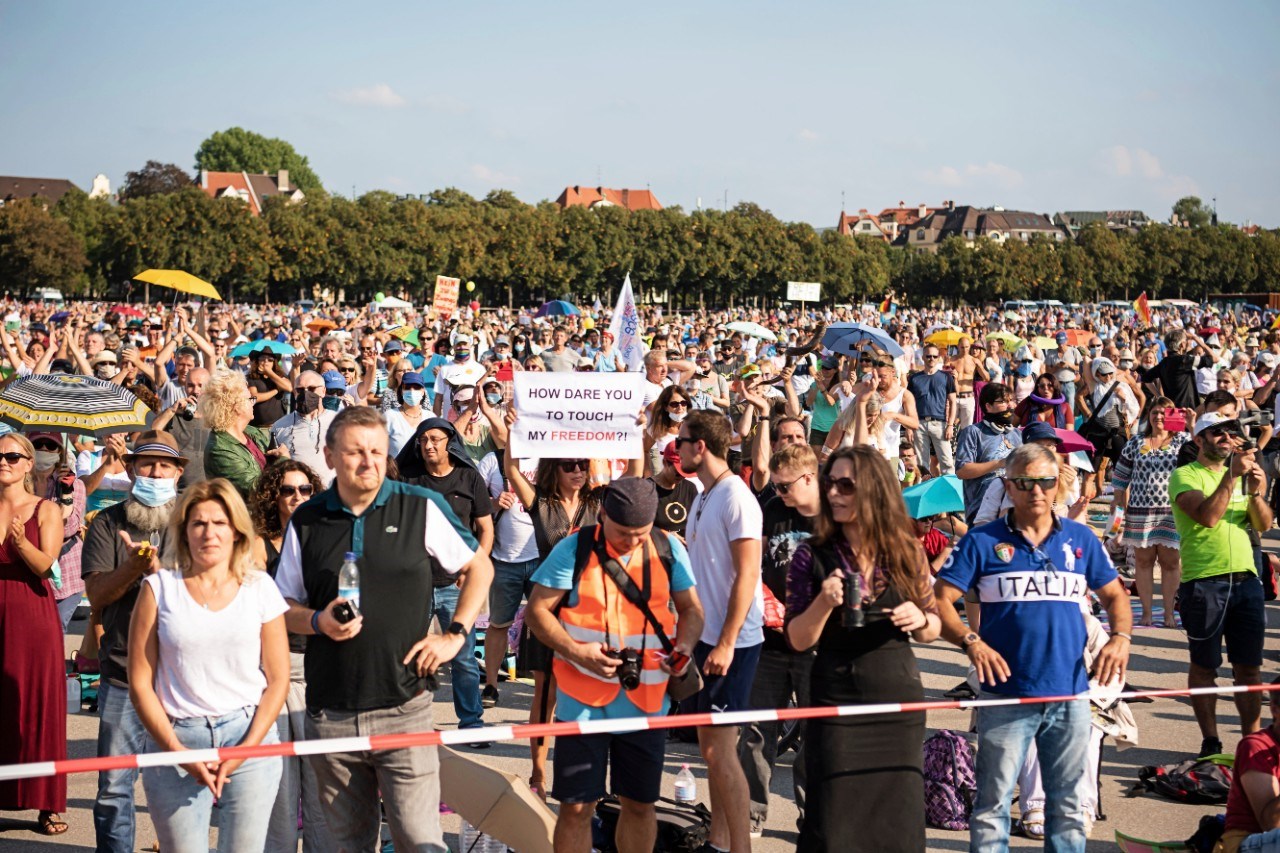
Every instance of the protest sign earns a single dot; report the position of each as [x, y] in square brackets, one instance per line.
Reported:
[804, 291]
[446, 298]
[577, 415]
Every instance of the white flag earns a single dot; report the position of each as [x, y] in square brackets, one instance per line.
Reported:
[625, 328]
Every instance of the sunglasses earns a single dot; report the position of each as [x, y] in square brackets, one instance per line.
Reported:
[1219, 432]
[1027, 484]
[346, 370]
[45, 445]
[785, 488]
[684, 439]
[13, 457]
[336, 392]
[843, 485]
[571, 465]
[678, 404]
[289, 491]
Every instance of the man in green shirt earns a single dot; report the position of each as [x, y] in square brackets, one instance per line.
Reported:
[1214, 499]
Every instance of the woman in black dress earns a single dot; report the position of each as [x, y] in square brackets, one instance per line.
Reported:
[866, 788]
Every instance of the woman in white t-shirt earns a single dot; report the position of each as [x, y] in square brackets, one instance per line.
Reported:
[209, 668]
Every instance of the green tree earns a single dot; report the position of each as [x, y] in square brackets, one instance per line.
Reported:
[37, 249]
[91, 220]
[1192, 211]
[155, 178]
[1113, 259]
[240, 150]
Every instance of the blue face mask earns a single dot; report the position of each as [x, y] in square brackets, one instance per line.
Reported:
[332, 404]
[413, 396]
[152, 491]
[1024, 369]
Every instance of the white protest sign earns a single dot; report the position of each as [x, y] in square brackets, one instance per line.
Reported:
[577, 415]
[804, 291]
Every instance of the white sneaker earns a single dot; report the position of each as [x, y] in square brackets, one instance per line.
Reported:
[757, 827]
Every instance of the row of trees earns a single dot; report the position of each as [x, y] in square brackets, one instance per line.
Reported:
[523, 253]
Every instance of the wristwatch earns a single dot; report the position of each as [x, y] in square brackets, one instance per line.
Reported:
[969, 639]
[458, 628]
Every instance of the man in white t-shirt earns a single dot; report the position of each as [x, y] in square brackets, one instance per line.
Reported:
[659, 373]
[723, 534]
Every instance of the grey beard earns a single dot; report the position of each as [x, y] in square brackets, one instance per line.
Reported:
[148, 518]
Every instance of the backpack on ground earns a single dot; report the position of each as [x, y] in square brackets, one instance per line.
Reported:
[682, 828]
[1197, 780]
[950, 780]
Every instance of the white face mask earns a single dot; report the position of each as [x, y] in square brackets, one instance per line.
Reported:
[46, 459]
[413, 396]
[676, 417]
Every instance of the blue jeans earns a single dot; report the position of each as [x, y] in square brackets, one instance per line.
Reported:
[510, 585]
[181, 807]
[120, 732]
[464, 669]
[1061, 734]
[1262, 842]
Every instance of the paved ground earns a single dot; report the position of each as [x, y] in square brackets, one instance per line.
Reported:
[1168, 734]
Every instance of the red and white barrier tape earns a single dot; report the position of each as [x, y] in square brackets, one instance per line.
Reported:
[493, 734]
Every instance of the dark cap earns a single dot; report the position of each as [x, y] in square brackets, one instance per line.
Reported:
[631, 502]
[1039, 431]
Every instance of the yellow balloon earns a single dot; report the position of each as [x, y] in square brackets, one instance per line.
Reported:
[471, 285]
[588, 323]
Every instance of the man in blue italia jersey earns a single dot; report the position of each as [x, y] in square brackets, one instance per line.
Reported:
[1032, 572]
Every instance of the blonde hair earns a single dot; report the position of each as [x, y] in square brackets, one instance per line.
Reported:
[799, 458]
[219, 491]
[27, 448]
[225, 392]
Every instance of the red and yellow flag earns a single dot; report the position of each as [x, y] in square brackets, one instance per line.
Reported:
[886, 305]
[1143, 308]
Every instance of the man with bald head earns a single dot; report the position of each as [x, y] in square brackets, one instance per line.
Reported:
[182, 420]
[303, 430]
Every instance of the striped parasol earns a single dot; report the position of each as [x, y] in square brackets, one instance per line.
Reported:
[78, 404]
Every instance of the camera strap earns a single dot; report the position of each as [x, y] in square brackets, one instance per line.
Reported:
[633, 594]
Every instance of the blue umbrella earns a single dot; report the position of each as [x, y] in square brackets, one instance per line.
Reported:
[250, 347]
[849, 339]
[557, 308]
[936, 496]
[60, 317]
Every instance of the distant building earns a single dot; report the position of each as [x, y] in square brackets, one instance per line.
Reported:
[1116, 220]
[897, 221]
[861, 224]
[101, 187]
[592, 197]
[49, 189]
[252, 189]
[971, 223]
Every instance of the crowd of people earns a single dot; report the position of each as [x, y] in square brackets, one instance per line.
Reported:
[756, 551]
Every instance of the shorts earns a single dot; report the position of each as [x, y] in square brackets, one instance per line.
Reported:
[729, 692]
[1216, 608]
[510, 585]
[637, 760]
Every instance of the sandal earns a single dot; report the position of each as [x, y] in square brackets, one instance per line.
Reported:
[50, 823]
[1033, 824]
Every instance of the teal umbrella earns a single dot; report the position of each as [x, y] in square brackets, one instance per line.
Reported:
[250, 347]
[934, 497]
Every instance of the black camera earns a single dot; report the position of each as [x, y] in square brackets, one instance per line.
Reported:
[345, 612]
[1251, 423]
[628, 667]
[852, 615]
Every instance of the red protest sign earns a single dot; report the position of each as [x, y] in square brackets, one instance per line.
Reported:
[446, 298]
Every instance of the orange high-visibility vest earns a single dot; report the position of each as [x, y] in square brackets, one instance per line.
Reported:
[598, 598]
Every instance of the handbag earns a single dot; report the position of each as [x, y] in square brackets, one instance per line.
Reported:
[1092, 431]
[681, 686]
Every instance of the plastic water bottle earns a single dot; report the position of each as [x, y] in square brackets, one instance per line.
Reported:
[349, 580]
[686, 786]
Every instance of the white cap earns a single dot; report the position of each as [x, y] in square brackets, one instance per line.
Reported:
[1212, 419]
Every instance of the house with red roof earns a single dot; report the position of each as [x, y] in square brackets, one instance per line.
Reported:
[13, 188]
[592, 197]
[861, 224]
[252, 189]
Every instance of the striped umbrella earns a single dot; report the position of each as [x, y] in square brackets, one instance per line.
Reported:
[78, 404]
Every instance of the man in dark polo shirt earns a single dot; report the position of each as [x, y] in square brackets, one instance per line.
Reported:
[376, 678]
[934, 390]
[113, 568]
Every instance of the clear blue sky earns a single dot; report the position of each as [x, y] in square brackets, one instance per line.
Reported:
[1046, 107]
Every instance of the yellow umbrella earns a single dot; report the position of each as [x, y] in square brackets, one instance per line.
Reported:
[1043, 343]
[1009, 339]
[181, 281]
[945, 337]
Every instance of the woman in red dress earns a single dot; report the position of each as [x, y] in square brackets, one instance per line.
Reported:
[33, 701]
